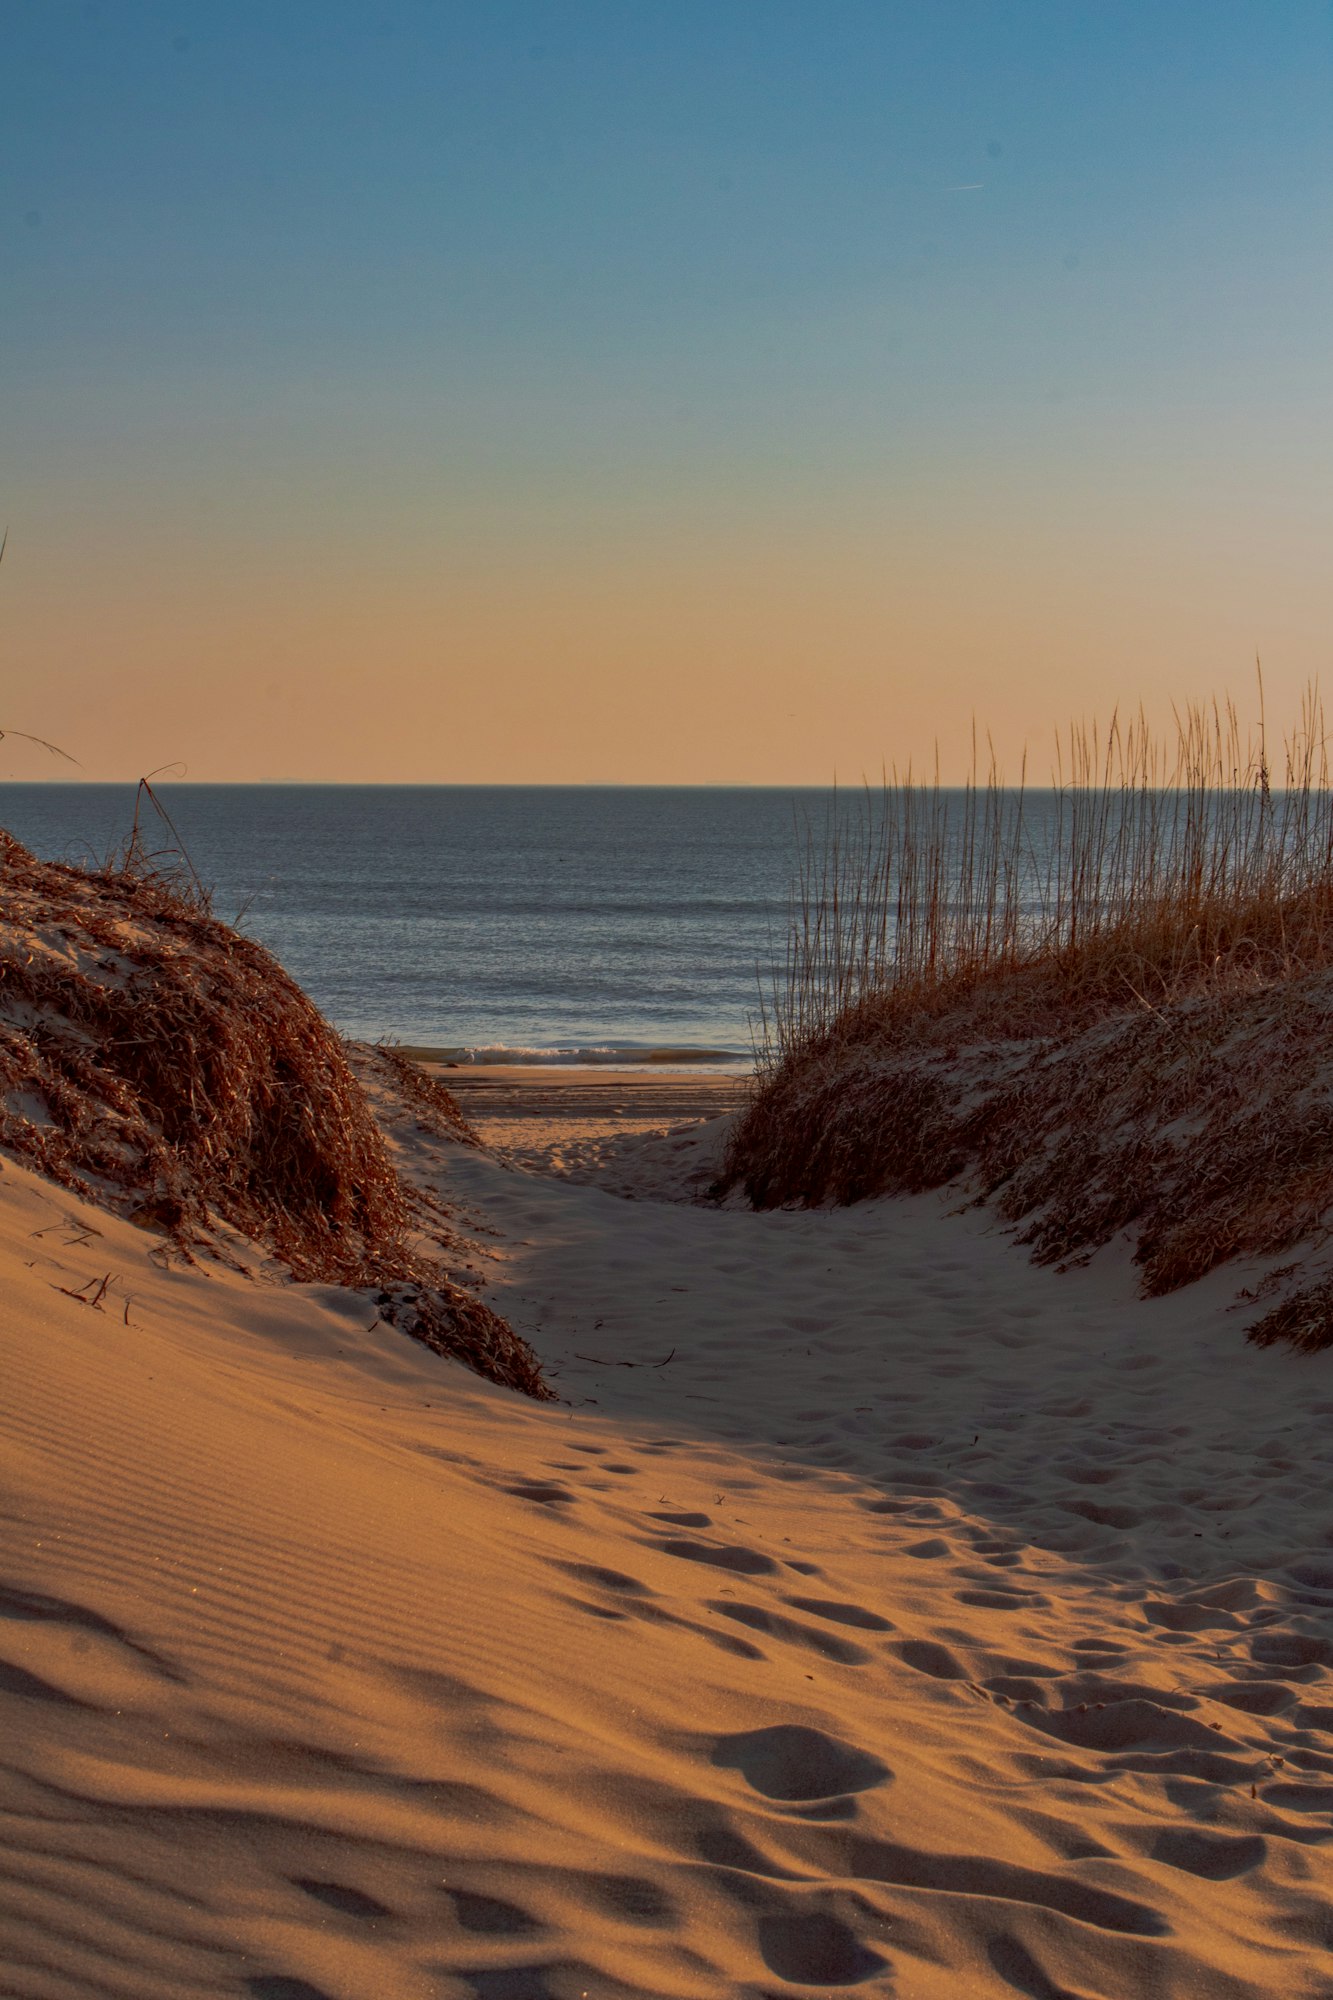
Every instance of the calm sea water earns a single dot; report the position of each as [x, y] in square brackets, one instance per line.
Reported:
[483, 918]
[570, 923]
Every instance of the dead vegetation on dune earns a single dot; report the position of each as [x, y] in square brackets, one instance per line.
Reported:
[1204, 1130]
[154, 1060]
[436, 1107]
[1105, 1011]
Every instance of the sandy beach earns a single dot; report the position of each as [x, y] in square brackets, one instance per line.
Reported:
[875, 1611]
[574, 1120]
[666, 1002]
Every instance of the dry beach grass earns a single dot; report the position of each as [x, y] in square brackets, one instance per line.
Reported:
[154, 1060]
[1114, 1021]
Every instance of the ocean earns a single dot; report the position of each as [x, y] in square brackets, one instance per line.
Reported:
[497, 922]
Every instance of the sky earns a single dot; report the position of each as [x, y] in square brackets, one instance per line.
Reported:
[668, 391]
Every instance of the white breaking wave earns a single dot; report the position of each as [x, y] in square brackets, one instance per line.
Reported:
[623, 1056]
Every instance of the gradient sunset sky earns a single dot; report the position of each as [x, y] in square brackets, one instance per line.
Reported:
[712, 391]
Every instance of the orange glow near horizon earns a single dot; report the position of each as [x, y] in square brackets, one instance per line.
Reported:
[753, 396]
[788, 663]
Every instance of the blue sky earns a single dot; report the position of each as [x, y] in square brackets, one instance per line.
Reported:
[545, 306]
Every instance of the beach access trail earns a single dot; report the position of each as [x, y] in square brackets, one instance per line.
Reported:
[877, 1612]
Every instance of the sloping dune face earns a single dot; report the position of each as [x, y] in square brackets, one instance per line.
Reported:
[159, 1063]
[329, 1672]
[1201, 1128]
[151, 1054]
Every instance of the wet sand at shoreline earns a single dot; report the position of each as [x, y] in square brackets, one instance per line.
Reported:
[534, 1107]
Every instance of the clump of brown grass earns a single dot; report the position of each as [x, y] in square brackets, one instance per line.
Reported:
[1104, 1008]
[1146, 869]
[426, 1095]
[155, 1060]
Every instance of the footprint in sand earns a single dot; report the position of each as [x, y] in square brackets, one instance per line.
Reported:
[717, 1842]
[1255, 1697]
[1020, 1970]
[526, 1982]
[1290, 1649]
[1001, 1881]
[1297, 1797]
[775, 1626]
[101, 1662]
[721, 1555]
[928, 1551]
[544, 1493]
[628, 1598]
[492, 1916]
[985, 1599]
[927, 1656]
[1314, 1576]
[1188, 1617]
[17, 1680]
[1217, 1857]
[280, 1986]
[791, 1762]
[35, 1605]
[811, 1947]
[1137, 1723]
[1102, 1513]
[339, 1896]
[1015, 1687]
[604, 1579]
[841, 1614]
[629, 1897]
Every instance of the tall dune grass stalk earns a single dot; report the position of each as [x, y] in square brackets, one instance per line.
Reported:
[1149, 868]
[1105, 1009]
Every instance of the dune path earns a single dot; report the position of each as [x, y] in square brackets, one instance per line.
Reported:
[877, 1613]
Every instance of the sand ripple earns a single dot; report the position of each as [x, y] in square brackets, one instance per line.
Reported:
[928, 1625]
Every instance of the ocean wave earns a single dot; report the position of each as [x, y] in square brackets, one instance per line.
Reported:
[600, 1055]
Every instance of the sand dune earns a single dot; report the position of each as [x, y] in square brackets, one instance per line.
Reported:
[878, 1611]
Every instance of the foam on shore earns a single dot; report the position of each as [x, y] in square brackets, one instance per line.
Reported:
[623, 1055]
